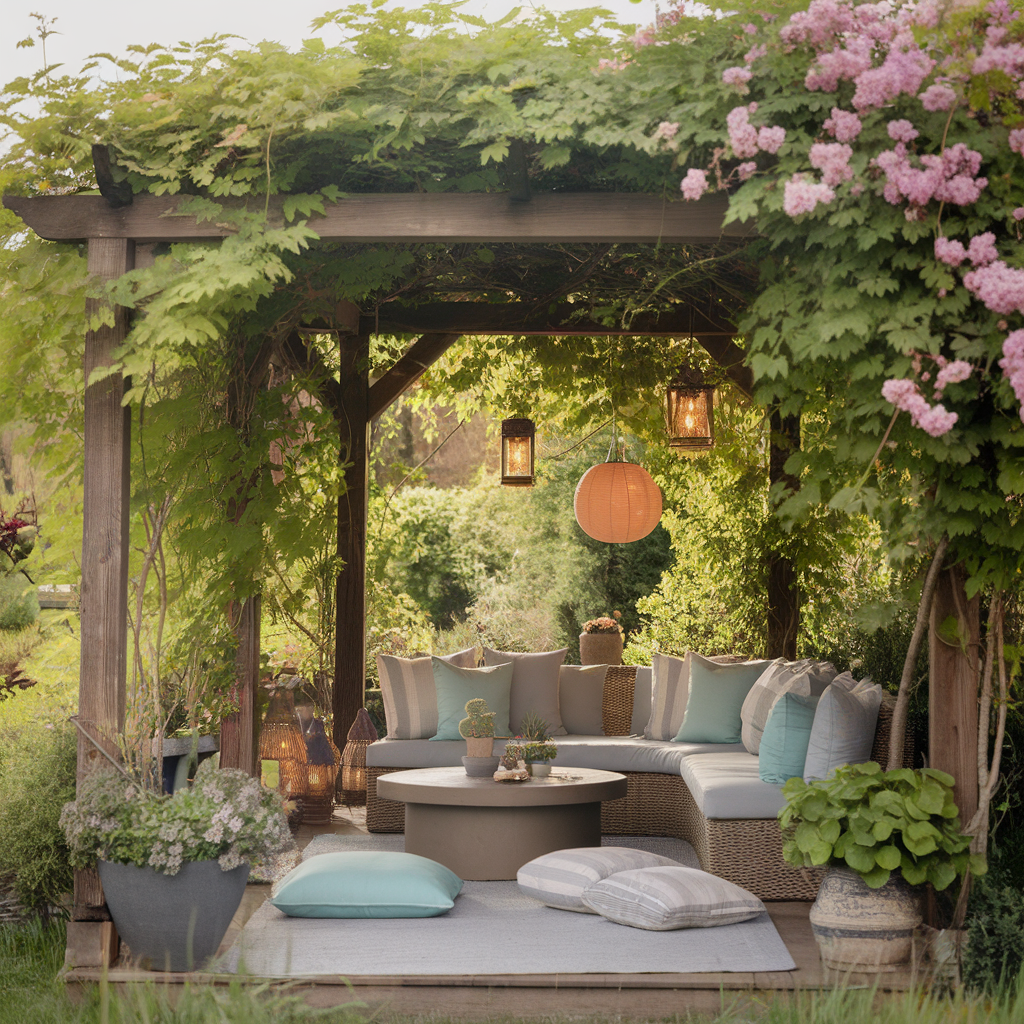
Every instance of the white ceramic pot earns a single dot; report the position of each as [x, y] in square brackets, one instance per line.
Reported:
[600, 648]
[862, 929]
[540, 769]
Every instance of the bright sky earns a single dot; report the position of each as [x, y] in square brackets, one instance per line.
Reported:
[110, 25]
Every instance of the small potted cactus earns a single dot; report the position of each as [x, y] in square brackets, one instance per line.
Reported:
[478, 729]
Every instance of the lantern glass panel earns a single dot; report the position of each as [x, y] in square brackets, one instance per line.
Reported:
[689, 415]
[517, 452]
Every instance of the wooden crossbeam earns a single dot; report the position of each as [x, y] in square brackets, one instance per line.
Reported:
[421, 355]
[404, 217]
[565, 320]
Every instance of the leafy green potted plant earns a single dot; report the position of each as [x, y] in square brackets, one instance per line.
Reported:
[601, 641]
[536, 746]
[477, 728]
[174, 867]
[881, 835]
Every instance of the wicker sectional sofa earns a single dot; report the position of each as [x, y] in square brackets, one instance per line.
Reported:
[711, 795]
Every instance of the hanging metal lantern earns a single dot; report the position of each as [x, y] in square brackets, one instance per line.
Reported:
[353, 760]
[321, 774]
[690, 414]
[517, 452]
[617, 502]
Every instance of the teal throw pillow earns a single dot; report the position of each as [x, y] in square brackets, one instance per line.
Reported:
[716, 696]
[367, 884]
[787, 734]
[455, 686]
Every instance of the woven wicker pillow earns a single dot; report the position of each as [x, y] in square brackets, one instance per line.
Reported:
[559, 879]
[663, 899]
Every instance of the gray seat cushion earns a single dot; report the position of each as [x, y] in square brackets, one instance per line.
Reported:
[630, 753]
[727, 785]
[611, 753]
[389, 753]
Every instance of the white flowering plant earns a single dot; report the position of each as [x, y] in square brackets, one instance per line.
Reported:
[225, 816]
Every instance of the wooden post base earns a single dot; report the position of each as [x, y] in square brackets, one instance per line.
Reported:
[91, 944]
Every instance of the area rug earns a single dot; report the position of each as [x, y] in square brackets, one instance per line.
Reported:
[494, 929]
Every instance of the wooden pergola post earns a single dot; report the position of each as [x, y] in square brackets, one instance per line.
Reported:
[350, 589]
[953, 689]
[104, 590]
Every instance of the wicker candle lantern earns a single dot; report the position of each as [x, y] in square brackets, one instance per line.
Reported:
[690, 414]
[517, 452]
[321, 774]
[281, 740]
[353, 760]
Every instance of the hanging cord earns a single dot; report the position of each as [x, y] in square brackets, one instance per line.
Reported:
[561, 455]
[423, 462]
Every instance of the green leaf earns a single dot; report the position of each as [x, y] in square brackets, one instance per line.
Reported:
[876, 877]
[888, 857]
[860, 859]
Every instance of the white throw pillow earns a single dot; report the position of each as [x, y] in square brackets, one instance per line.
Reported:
[844, 726]
[669, 690]
[662, 899]
[534, 686]
[559, 879]
[805, 678]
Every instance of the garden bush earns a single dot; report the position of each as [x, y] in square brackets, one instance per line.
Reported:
[19, 605]
[37, 777]
[994, 956]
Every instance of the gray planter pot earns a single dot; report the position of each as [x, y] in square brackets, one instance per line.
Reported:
[175, 922]
[480, 767]
[862, 929]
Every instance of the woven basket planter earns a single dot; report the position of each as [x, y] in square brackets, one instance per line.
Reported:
[600, 648]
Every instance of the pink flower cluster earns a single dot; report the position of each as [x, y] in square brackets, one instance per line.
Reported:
[748, 141]
[737, 76]
[1012, 365]
[802, 196]
[938, 97]
[949, 178]
[833, 160]
[999, 287]
[666, 131]
[935, 420]
[981, 250]
[843, 125]
[695, 184]
[951, 373]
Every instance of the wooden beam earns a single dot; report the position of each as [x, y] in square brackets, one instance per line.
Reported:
[238, 732]
[104, 589]
[713, 333]
[953, 689]
[783, 592]
[350, 592]
[405, 217]
[420, 357]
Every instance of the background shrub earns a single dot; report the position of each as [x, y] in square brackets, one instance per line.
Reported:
[19, 604]
[994, 955]
[37, 777]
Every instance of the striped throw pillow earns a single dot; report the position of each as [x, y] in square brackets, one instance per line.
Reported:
[671, 686]
[662, 899]
[559, 879]
[410, 698]
[805, 678]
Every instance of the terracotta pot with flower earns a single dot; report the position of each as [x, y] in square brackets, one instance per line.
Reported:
[601, 641]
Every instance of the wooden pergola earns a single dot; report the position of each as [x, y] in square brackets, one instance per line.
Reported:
[121, 235]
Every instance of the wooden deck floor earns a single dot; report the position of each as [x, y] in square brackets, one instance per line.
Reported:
[492, 997]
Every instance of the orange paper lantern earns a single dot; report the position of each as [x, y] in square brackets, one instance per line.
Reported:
[617, 502]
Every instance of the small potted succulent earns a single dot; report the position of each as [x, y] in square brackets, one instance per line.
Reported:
[537, 749]
[477, 728]
[512, 766]
[601, 641]
[881, 835]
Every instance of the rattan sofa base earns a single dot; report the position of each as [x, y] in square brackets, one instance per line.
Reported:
[745, 851]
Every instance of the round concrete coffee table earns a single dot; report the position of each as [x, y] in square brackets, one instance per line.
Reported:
[485, 830]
